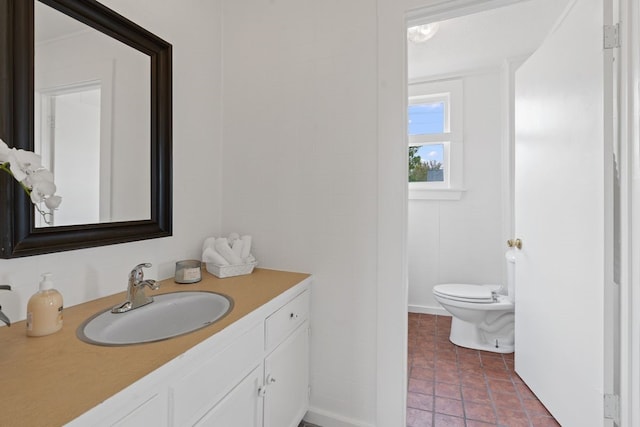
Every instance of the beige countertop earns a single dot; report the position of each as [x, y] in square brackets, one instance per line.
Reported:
[50, 380]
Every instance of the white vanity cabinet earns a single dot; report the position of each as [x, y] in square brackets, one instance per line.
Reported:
[151, 412]
[286, 396]
[242, 406]
[286, 366]
[275, 393]
[132, 407]
[195, 394]
[253, 373]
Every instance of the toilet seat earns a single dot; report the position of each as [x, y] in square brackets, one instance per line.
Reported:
[481, 294]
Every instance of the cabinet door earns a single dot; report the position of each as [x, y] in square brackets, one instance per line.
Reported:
[200, 389]
[287, 379]
[242, 407]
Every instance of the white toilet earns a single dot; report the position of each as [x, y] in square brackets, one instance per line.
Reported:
[483, 315]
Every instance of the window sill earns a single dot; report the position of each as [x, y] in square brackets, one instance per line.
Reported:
[436, 194]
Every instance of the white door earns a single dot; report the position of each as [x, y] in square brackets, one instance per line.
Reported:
[242, 407]
[563, 216]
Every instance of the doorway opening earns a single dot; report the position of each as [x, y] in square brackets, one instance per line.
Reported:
[457, 234]
[70, 123]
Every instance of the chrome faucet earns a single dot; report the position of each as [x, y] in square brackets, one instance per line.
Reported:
[135, 290]
[3, 317]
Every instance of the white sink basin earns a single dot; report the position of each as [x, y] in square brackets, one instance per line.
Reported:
[169, 315]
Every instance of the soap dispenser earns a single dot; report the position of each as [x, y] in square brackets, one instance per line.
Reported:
[44, 309]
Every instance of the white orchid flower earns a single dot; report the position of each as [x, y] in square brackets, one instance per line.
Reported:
[4, 152]
[37, 181]
[35, 177]
[52, 202]
[42, 190]
[23, 163]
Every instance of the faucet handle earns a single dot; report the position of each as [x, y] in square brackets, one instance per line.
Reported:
[136, 273]
[3, 317]
[140, 266]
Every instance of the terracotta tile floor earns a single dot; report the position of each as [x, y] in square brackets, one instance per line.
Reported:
[454, 386]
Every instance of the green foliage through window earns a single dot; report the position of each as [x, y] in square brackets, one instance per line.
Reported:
[421, 170]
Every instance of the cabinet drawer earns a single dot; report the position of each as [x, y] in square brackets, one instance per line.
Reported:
[203, 387]
[286, 319]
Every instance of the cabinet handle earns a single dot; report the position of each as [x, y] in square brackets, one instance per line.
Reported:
[517, 243]
[262, 391]
[293, 316]
[270, 379]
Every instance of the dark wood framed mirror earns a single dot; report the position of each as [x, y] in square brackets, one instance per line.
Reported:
[20, 234]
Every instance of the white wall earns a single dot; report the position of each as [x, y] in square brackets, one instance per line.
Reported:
[315, 169]
[299, 174]
[77, 136]
[86, 274]
[311, 166]
[461, 241]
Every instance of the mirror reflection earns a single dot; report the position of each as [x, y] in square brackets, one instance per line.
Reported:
[92, 121]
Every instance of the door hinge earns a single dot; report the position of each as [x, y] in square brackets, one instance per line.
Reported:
[612, 407]
[611, 36]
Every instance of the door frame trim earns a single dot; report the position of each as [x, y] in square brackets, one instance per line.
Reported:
[392, 283]
[629, 135]
[392, 275]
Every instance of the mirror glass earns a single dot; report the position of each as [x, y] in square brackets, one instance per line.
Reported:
[91, 121]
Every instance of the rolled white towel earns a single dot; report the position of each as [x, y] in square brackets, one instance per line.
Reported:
[223, 248]
[232, 238]
[237, 246]
[211, 256]
[246, 248]
[209, 242]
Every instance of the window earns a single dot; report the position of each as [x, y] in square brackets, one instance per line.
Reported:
[435, 140]
[426, 163]
[427, 117]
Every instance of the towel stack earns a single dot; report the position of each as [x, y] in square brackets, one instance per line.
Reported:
[232, 250]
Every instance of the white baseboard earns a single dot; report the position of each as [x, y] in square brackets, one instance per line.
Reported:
[329, 419]
[423, 309]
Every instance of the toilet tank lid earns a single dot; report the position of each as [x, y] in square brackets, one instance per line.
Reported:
[475, 292]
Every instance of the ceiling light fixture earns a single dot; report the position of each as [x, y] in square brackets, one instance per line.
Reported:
[422, 33]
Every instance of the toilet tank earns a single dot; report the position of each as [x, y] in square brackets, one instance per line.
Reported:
[510, 257]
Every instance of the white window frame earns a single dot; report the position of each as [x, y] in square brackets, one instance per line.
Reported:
[451, 93]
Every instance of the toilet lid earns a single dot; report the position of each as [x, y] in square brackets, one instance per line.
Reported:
[464, 292]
